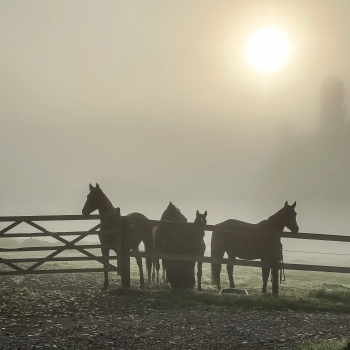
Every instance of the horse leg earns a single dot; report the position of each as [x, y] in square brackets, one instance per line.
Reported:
[149, 261]
[154, 270]
[274, 273]
[165, 276]
[265, 277]
[105, 255]
[139, 264]
[157, 269]
[149, 271]
[199, 275]
[215, 275]
[218, 282]
[229, 269]
[217, 251]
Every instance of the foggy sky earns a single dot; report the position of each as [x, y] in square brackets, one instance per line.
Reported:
[156, 101]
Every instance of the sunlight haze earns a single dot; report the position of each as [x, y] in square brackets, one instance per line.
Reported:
[268, 49]
[156, 101]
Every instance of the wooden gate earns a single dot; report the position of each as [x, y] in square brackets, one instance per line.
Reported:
[36, 268]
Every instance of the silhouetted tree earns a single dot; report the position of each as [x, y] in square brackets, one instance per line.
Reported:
[332, 116]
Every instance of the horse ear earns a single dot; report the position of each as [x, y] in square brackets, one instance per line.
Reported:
[91, 187]
[205, 214]
[286, 204]
[293, 205]
[97, 185]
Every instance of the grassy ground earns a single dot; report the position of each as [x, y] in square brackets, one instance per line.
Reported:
[302, 291]
[309, 291]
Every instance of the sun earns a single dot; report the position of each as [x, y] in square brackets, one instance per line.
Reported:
[268, 49]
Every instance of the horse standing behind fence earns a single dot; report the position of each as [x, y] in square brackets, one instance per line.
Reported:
[191, 242]
[180, 240]
[253, 241]
[161, 234]
[140, 231]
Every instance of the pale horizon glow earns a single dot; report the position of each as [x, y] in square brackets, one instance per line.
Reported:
[268, 49]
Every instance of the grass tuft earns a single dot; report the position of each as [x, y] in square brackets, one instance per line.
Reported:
[335, 293]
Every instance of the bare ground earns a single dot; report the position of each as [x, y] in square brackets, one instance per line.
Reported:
[69, 312]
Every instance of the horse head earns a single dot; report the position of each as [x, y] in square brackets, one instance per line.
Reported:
[95, 200]
[201, 219]
[290, 217]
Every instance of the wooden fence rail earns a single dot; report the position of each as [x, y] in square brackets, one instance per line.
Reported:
[124, 258]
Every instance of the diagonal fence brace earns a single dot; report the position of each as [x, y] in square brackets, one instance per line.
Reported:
[9, 227]
[71, 244]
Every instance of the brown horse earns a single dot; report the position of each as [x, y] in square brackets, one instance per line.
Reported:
[181, 240]
[140, 231]
[252, 241]
[193, 243]
[161, 234]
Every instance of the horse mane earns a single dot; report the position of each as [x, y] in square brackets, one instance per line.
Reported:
[109, 204]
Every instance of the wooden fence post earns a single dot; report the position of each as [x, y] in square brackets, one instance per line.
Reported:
[125, 252]
[118, 233]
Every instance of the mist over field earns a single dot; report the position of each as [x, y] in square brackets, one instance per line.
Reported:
[156, 102]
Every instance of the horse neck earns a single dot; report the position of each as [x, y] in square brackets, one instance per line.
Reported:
[276, 221]
[198, 232]
[106, 207]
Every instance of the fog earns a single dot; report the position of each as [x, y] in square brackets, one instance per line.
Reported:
[156, 102]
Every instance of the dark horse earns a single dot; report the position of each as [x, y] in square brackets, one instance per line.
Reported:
[193, 242]
[181, 240]
[252, 241]
[140, 231]
[161, 234]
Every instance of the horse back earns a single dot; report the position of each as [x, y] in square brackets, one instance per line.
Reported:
[243, 240]
[163, 233]
[140, 230]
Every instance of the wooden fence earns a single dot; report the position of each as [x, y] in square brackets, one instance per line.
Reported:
[123, 255]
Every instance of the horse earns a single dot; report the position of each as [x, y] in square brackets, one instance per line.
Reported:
[187, 241]
[162, 232]
[252, 241]
[194, 243]
[140, 231]
[177, 240]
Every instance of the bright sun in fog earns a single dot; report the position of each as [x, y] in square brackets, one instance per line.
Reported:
[268, 49]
